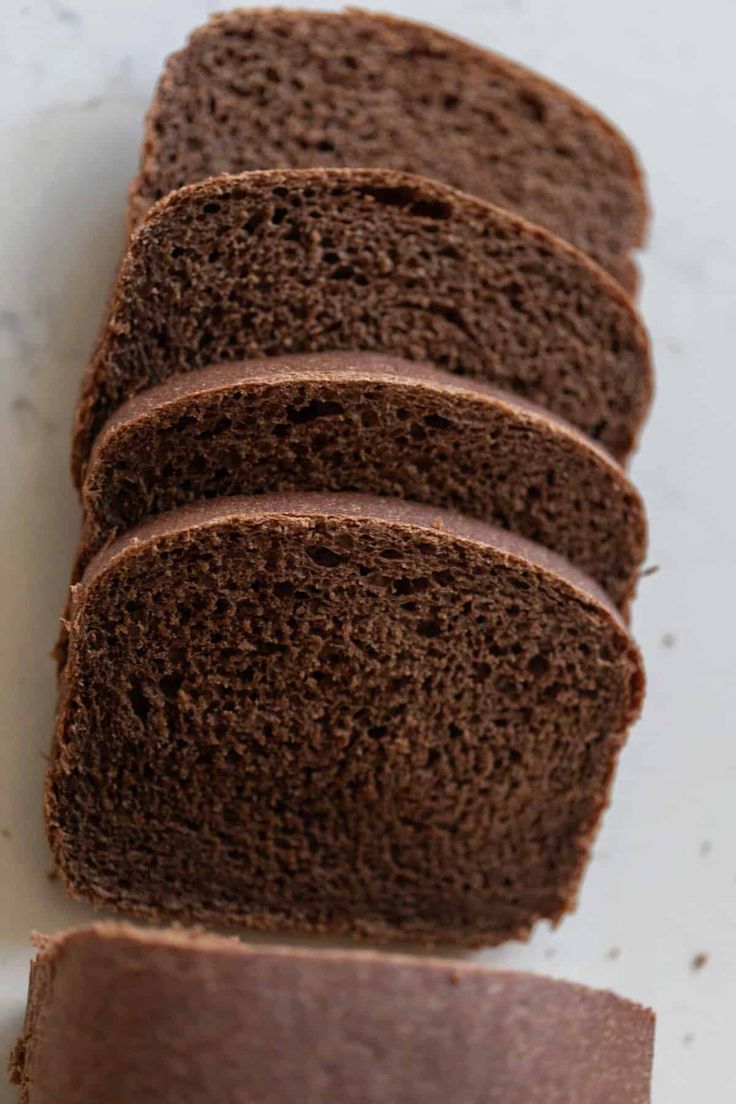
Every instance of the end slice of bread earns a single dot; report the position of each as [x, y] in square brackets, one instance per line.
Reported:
[122, 1015]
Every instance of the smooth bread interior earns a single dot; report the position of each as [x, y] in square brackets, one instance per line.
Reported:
[237, 1023]
[284, 89]
[325, 260]
[336, 713]
[368, 423]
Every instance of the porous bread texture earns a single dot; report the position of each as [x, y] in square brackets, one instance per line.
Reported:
[255, 89]
[225, 1021]
[368, 423]
[338, 714]
[331, 259]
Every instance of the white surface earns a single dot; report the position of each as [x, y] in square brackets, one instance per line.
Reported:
[75, 78]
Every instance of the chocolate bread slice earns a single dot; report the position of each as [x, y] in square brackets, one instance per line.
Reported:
[371, 423]
[338, 713]
[309, 261]
[283, 89]
[125, 1016]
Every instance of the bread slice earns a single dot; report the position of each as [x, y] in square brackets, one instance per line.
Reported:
[336, 713]
[126, 1016]
[325, 260]
[370, 423]
[278, 89]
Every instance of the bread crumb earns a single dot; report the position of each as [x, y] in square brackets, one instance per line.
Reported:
[699, 960]
[649, 571]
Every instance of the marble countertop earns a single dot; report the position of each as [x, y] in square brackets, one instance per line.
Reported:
[657, 916]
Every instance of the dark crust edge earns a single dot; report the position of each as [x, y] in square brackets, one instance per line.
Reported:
[347, 366]
[343, 506]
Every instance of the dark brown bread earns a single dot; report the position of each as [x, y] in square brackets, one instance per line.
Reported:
[307, 261]
[336, 713]
[123, 1016]
[364, 422]
[283, 89]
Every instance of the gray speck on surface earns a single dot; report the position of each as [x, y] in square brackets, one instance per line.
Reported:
[647, 571]
[688, 1038]
[698, 961]
[92, 103]
[25, 411]
[22, 405]
[10, 321]
[550, 952]
[669, 640]
[13, 331]
[122, 79]
[64, 14]
[705, 848]
[613, 954]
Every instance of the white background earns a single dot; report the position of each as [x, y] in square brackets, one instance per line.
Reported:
[75, 78]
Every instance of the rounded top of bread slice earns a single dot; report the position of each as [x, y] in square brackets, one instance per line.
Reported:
[239, 1022]
[258, 89]
[369, 423]
[269, 263]
[334, 367]
[297, 508]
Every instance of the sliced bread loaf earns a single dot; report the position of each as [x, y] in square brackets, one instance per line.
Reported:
[125, 1016]
[336, 713]
[371, 423]
[284, 89]
[307, 261]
